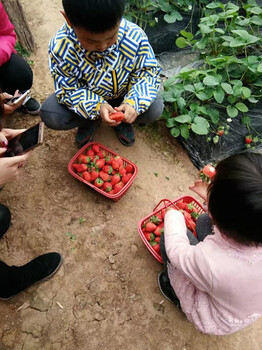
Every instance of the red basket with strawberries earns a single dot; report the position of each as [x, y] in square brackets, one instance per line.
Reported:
[152, 226]
[102, 169]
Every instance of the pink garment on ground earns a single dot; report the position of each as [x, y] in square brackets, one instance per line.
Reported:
[218, 281]
[7, 37]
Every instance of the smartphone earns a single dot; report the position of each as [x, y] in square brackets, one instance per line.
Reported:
[26, 141]
[16, 100]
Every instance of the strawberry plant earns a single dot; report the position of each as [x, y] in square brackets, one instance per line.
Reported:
[227, 80]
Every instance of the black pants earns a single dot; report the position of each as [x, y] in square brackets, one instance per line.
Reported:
[203, 229]
[15, 74]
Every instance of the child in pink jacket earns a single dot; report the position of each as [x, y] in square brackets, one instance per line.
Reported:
[15, 73]
[217, 278]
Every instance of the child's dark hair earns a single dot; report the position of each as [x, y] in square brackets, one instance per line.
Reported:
[235, 197]
[96, 16]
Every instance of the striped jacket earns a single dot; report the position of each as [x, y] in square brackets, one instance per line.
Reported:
[84, 80]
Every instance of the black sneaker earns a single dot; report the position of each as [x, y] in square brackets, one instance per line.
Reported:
[31, 106]
[125, 134]
[86, 134]
[166, 289]
[19, 278]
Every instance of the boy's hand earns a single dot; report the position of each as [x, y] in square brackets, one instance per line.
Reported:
[105, 111]
[130, 113]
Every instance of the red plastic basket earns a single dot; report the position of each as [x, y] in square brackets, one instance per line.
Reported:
[165, 204]
[114, 197]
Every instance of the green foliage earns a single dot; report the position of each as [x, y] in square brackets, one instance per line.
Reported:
[229, 78]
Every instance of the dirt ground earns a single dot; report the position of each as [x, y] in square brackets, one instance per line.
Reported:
[105, 296]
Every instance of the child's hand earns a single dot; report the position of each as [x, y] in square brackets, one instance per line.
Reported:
[105, 111]
[130, 113]
[8, 109]
[200, 188]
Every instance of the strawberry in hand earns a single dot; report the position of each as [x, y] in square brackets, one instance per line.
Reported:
[207, 173]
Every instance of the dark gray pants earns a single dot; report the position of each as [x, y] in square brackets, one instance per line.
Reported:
[58, 117]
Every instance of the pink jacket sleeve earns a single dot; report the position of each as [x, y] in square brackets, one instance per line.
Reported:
[7, 37]
[188, 259]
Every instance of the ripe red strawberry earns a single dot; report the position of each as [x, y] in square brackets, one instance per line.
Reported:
[163, 213]
[220, 132]
[122, 170]
[115, 179]
[149, 236]
[119, 160]
[107, 187]
[117, 116]
[209, 171]
[109, 159]
[107, 169]
[84, 159]
[87, 176]
[181, 205]
[101, 154]
[125, 178]
[156, 219]
[90, 152]
[100, 163]
[150, 227]
[111, 192]
[80, 167]
[98, 182]
[95, 148]
[187, 215]
[157, 239]
[158, 231]
[104, 176]
[94, 175]
[156, 247]
[118, 186]
[248, 139]
[129, 168]
[115, 164]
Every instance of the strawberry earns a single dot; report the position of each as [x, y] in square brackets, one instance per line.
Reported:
[157, 239]
[100, 163]
[104, 176]
[90, 152]
[111, 192]
[220, 132]
[109, 159]
[163, 213]
[95, 148]
[150, 227]
[118, 186]
[149, 236]
[119, 160]
[87, 176]
[80, 167]
[207, 173]
[117, 116]
[181, 205]
[107, 169]
[248, 139]
[115, 179]
[158, 231]
[156, 247]
[187, 215]
[129, 168]
[125, 178]
[107, 187]
[84, 159]
[94, 175]
[156, 219]
[98, 182]
[115, 164]
[122, 170]
[101, 154]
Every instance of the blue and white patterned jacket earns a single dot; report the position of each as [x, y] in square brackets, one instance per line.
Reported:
[84, 79]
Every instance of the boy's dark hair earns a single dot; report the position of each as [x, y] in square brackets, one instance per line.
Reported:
[235, 197]
[96, 16]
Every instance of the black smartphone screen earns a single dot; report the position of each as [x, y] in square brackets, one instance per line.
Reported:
[22, 142]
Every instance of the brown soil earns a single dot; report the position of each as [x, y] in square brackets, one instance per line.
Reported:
[105, 296]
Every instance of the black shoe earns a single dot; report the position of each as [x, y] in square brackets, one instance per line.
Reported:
[125, 134]
[85, 134]
[166, 288]
[31, 106]
[20, 278]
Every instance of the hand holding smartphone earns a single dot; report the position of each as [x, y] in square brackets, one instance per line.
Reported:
[16, 99]
[26, 141]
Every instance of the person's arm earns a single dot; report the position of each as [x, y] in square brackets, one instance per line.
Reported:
[188, 259]
[7, 37]
[9, 167]
[68, 87]
[144, 79]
